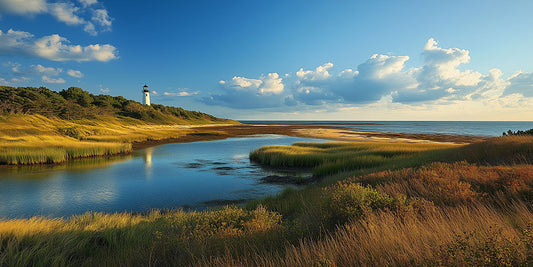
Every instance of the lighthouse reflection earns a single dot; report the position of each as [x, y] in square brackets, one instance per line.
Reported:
[147, 156]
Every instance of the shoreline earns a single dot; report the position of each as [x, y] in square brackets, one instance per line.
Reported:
[210, 132]
[334, 133]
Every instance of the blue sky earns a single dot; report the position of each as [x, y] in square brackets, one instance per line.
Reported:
[300, 60]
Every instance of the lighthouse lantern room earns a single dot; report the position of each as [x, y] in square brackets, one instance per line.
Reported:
[146, 93]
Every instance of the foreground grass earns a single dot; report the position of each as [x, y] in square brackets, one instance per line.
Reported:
[33, 139]
[95, 239]
[422, 205]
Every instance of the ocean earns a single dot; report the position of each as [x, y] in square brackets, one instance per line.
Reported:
[475, 128]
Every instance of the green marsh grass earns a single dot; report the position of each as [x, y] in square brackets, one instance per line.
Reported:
[21, 155]
[332, 158]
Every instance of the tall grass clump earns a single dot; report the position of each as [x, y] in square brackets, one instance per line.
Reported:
[24, 155]
[331, 158]
[499, 150]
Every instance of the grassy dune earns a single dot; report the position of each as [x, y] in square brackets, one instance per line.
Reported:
[33, 139]
[422, 205]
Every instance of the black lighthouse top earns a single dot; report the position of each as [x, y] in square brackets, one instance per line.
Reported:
[145, 88]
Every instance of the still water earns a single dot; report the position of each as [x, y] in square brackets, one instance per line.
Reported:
[190, 175]
[477, 128]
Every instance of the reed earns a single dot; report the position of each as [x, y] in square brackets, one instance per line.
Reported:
[35, 139]
[331, 158]
[23, 155]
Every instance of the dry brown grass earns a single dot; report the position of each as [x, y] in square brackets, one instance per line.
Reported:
[388, 239]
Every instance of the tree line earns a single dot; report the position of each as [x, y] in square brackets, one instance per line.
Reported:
[519, 132]
[75, 103]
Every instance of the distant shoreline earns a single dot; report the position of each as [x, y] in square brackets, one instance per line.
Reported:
[42, 139]
[309, 130]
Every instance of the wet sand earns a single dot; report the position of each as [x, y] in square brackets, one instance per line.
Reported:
[307, 130]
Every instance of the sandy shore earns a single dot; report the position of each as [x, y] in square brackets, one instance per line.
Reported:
[359, 136]
[336, 133]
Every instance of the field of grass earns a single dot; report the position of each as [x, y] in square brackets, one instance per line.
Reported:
[419, 204]
[33, 139]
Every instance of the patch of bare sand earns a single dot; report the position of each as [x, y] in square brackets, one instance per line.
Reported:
[356, 136]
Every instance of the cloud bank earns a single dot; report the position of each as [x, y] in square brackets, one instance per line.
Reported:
[242, 93]
[380, 80]
[89, 14]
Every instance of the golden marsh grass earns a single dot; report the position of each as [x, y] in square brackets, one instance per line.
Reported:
[34, 139]
[417, 204]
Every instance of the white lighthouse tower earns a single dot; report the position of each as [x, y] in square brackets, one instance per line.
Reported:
[146, 93]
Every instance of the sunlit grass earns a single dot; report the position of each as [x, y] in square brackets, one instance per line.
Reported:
[476, 235]
[34, 139]
[331, 158]
[46, 148]
[116, 239]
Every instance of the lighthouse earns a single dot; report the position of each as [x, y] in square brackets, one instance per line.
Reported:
[146, 93]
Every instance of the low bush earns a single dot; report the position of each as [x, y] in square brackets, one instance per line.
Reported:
[456, 183]
[519, 132]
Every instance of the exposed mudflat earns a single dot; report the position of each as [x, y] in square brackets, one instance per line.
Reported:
[309, 130]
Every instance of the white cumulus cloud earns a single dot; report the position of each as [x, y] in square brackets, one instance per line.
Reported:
[182, 93]
[22, 7]
[89, 13]
[88, 2]
[47, 79]
[243, 83]
[13, 81]
[75, 73]
[53, 47]
[272, 84]
[382, 80]
[269, 84]
[242, 92]
[49, 71]
[101, 17]
[320, 73]
[65, 12]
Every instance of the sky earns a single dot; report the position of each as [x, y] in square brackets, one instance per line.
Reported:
[282, 60]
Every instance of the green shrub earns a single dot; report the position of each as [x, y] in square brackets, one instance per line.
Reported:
[488, 249]
[346, 201]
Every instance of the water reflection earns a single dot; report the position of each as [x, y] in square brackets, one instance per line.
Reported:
[195, 175]
[47, 170]
[147, 156]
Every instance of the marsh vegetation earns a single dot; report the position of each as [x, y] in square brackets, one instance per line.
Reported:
[38, 125]
[416, 205]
